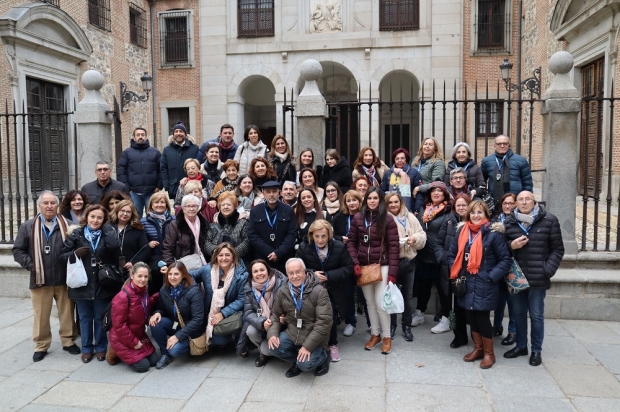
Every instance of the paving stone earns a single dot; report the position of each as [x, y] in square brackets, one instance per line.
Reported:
[519, 403]
[54, 408]
[591, 331]
[180, 382]
[141, 403]
[554, 328]
[615, 326]
[607, 354]
[566, 349]
[406, 397]
[344, 398]
[583, 404]
[102, 372]
[83, 394]
[13, 335]
[584, 380]
[57, 360]
[19, 390]
[221, 394]
[535, 382]
[234, 366]
[13, 316]
[17, 358]
[435, 368]
[290, 390]
[265, 406]
[354, 372]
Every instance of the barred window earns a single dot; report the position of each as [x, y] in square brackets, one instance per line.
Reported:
[489, 119]
[137, 25]
[493, 25]
[52, 2]
[175, 38]
[99, 14]
[179, 113]
[399, 15]
[255, 18]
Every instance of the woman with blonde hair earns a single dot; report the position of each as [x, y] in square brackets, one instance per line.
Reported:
[158, 217]
[430, 164]
[192, 168]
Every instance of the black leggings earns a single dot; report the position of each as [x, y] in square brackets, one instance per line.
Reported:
[480, 321]
[144, 364]
[423, 288]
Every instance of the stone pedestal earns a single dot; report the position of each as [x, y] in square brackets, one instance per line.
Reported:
[94, 131]
[311, 111]
[560, 113]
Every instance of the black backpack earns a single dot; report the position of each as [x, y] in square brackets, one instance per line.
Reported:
[106, 315]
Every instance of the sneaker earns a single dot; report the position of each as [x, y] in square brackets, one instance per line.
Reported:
[334, 354]
[418, 318]
[443, 326]
[386, 347]
[348, 330]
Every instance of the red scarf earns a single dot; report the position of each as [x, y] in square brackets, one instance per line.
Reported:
[475, 250]
[198, 177]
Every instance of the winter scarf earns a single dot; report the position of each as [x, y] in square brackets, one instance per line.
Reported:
[475, 249]
[219, 295]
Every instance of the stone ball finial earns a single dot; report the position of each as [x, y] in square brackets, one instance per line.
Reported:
[311, 70]
[561, 62]
[92, 80]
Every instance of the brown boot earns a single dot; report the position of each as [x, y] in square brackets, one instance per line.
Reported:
[386, 347]
[373, 342]
[489, 354]
[478, 352]
[111, 357]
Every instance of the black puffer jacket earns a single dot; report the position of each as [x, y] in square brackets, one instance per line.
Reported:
[338, 268]
[341, 224]
[432, 229]
[473, 174]
[138, 168]
[179, 239]
[191, 305]
[340, 173]
[542, 254]
[446, 236]
[107, 252]
[483, 288]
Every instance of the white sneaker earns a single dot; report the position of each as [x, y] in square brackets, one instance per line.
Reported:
[348, 330]
[443, 326]
[417, 318]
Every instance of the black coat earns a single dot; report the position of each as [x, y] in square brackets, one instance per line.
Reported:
[107, 252]
[541, 256]
[172, 160]
[473, 174]
[154, 232]
[338, 268]
[341, 224]
[483, 288]
[285, 170]
[432, 229]
[340, 173]
[134, 245]
[446, 236]
[95, 191]
[139, 168]
[179, 240]
[191, 305]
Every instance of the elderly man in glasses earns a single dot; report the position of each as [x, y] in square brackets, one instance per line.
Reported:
[103, 184]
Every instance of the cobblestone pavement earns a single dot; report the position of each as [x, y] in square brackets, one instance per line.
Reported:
[580, 372]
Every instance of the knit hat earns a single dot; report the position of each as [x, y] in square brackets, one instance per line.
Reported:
[179, 125]
[456, 147]
[441, 185]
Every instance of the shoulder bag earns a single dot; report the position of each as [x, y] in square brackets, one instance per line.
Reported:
[229, 325]
[110, 275]
[371, 273]
[197, 346]
[515, 278]
[192, 262]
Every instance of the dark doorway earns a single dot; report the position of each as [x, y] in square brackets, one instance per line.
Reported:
[591, 153]
[342, 131]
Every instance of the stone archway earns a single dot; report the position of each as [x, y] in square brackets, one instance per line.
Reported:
[259, 106]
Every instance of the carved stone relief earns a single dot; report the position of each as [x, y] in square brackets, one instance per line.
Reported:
[325, 16]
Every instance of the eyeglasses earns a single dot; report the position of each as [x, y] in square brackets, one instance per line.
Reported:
[525, 200]
[190, 207]
[458, 178]
[330, 191]
[502, 144]
[508, 204]
[296, 273]
[103, 169]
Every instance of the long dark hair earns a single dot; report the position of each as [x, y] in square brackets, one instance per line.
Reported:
[381, 208]
[299, 208]
[69, 196]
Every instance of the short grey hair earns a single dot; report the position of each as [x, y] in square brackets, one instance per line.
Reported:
[47, 192]
[103, 162]
[288, 182]
[295, 259]
[457, 170]
[188, 198]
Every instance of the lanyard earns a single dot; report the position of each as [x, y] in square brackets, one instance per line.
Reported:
[258, 298]
[301, 296]
[527, 231]
[94, 246]
[469, 164]
[499, 166]
[48, 232]
[349, 224]
[402, 222]
[421, 165]
[144, 303]
[470, 239]
[322, 262]
[272, 223]
[369, 224]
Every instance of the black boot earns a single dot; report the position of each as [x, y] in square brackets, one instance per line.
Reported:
[392, 331]
[407, 333]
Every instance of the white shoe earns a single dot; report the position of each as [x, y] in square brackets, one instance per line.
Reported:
[417, 318]
[443, 326]
[348, 330]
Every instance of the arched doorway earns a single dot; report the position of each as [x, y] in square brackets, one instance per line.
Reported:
[259, 108]
[400, 113]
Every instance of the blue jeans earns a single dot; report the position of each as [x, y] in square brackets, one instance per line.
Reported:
[160, 333]
[532, 300]
[140, 201]
[504, 298]
[287, 351]
[90, 324]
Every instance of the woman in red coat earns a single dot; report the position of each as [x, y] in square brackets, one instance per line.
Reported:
[131, 309]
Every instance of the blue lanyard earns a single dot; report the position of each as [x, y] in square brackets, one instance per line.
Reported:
[94, 246]
[402, 222]
[144, 303]
[48, 232]
[468, 164]
[272, 223]
[322, 262]
[258, 298]
[499, 166]
[348, 225]
[301, 296]
[421, 165]
[527, 231]
[369, 224]
[470, 239]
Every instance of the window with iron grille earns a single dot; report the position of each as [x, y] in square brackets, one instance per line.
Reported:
[489, 119]
[492, 25]
[255, 18]
[99, 14]
[137, 25]
[175, 38]
[179, 113]
[52, 2]
[399, 15]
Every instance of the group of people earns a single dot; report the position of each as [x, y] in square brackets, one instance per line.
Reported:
[246, 246]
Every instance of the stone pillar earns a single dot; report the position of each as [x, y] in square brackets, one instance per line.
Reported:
[560, 113]
[94, 132]
[311, 111]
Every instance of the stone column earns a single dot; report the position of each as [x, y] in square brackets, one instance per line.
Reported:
[311, 111]
[560, 113]
[94, 132]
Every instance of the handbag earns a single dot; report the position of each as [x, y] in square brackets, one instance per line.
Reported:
[459, 286]
[192, 262]
[515, 278]
[76, 274]
[109, 275]
[229, 325]
[197, 346]
[371, 273]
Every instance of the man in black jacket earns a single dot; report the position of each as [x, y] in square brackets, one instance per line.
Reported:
[535, 238]
[37, 248]
[138, 169]
[104, 183]
[181, 146]
[272, 228]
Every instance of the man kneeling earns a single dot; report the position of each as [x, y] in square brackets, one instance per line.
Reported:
[304, 310]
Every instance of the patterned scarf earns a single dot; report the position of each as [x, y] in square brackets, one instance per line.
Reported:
[266, 303]
[160, 219]
[37, 244]
[431, 211]
[229, 186]
[370, 174]
[219, 295]
[92, 236]
[468, 231]
[297, 290]
[175, 292]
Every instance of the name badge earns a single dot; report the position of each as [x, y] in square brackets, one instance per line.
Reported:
[259, 312]
[498, 176]
[299, 323]
[47, 250]
[466, 257]
[365, 238]
[272, 237]
[175, 325]
[93, 262]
